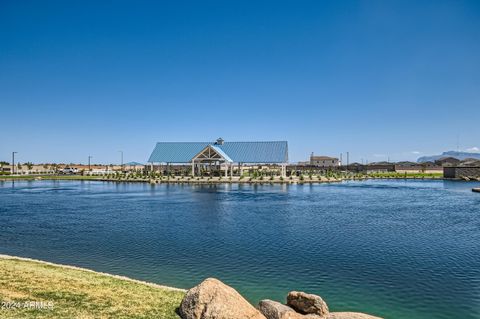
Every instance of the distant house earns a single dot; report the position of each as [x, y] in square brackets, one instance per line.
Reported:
[429, 164]
[5, 169]
[470, 162]
[356, 167]
[412, 167]
[133, 166]
[378, 167]
[447, 161]
[324, 161]
[406, 164]
[303, 163]
[30, 168]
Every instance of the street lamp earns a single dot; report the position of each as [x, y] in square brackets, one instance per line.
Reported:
[348, 159]
[13, 162]
[89, 157]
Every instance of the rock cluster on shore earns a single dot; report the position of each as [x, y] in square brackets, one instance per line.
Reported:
[212, 299]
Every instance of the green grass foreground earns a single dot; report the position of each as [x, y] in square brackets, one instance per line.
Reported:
[79, 293]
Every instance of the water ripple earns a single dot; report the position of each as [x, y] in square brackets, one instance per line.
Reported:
[398, 249]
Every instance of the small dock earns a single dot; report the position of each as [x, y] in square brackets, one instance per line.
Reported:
[476, 190]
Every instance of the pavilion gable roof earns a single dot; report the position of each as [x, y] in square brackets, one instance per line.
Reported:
[238, 152]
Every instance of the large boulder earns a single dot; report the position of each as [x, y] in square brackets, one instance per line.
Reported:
[275, 310]
[307, 303]
[212, 299]
[350, 315]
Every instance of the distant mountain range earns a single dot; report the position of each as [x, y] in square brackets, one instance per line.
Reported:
[458, 155]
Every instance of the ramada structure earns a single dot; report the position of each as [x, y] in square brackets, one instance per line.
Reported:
[202, 156]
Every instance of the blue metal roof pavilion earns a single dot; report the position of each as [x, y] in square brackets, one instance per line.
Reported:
[133, 164]
[274, 152]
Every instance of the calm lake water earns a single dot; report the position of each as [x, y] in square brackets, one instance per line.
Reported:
[399, 249]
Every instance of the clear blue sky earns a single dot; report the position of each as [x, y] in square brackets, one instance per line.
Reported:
[376, 78]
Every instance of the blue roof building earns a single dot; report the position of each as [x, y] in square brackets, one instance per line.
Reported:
[222, 152]
[133, 164]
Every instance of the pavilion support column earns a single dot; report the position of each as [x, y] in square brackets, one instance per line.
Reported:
[193, 168]
[226, 169]
[231, 170]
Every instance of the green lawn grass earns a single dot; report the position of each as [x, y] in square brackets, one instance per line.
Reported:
[405, 175]
[79, 293]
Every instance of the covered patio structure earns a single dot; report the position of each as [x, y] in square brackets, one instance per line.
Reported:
[220, 156]
[212, 155]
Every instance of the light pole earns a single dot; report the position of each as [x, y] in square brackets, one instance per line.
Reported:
[89, 157]
[13, 162]
[348, 159]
